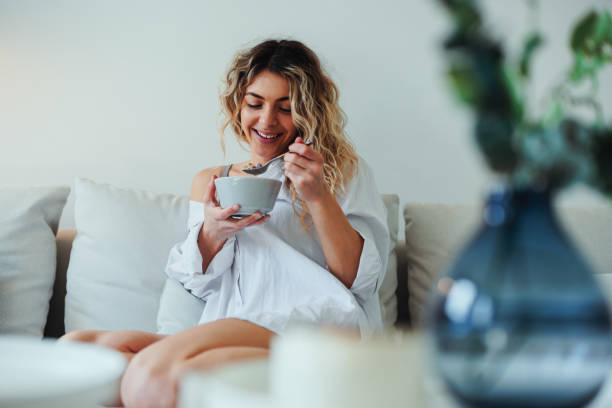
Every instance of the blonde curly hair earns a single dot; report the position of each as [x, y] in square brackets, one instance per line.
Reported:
[314, 106]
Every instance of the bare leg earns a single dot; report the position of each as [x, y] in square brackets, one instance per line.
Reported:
[220, 356]
[128, 342]
[151, 379]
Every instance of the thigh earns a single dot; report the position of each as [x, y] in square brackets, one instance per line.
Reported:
[219, 356]
[207, 336]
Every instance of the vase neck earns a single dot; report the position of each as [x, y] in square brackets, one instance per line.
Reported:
[505, 206]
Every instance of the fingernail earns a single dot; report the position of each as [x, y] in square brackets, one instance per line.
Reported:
[235, 207]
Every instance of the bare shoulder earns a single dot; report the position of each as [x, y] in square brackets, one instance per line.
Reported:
[201, 180]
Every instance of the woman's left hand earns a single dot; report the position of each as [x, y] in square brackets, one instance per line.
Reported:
[304, 167]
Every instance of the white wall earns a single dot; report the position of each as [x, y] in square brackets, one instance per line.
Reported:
[125, 92]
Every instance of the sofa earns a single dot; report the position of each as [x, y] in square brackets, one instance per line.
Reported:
[109, 274]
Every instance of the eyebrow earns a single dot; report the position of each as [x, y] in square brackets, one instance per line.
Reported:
[284, 98]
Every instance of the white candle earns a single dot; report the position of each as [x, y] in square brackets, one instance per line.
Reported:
[324, 368]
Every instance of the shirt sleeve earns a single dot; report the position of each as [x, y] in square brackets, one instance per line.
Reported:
[367, 214]
[185, 260]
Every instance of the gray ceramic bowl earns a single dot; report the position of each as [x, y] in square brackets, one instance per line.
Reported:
[252, 193]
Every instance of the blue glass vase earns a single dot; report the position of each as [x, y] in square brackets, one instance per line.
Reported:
[519, 320]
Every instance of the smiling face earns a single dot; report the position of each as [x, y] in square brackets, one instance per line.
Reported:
[265, 116]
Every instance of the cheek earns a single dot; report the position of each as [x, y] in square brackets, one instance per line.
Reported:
[289, 126]
[246, 120]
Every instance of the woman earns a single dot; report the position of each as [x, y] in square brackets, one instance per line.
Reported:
[317, 258]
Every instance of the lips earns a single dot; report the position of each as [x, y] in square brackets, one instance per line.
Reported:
[266, 137]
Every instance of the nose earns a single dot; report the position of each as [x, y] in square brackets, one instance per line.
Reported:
[268, 117]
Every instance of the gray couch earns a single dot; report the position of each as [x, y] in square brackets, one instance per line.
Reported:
[433, 234]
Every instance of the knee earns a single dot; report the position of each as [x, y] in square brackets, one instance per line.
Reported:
[150, 381]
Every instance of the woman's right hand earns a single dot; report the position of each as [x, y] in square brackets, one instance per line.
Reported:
[218, 226]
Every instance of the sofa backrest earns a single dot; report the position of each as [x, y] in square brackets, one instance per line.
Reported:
[64, 239]
[436, 232]
[433, 235]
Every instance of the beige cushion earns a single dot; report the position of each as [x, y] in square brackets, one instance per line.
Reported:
[436, 232]
[591, 230]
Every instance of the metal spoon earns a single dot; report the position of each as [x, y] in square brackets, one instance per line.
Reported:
[259, 170]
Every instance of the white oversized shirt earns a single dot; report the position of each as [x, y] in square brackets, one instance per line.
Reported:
[275, 274]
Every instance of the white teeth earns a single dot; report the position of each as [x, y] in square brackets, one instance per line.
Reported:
[265, 136]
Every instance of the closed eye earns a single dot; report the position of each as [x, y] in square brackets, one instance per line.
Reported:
[253, 106]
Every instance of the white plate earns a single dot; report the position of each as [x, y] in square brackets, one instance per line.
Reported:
[37, 373]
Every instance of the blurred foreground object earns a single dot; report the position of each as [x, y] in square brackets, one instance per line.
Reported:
[334, 369]
[519, 319]
[323, 368]
[52, 374]
[556, 148]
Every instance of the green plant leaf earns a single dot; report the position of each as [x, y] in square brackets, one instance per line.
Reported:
[494, 138]
[531, 44]
[465, 13]
[585, 67]
[464, 84]
[582, 32]
[513, 86]
[592, 35]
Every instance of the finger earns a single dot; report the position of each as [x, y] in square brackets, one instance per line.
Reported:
[259, 220]
[305, 150]
[245, 222]
[295, 173]
[228, 211]
[301, 161]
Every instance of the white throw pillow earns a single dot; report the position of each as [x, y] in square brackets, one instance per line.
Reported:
[180, 310]
[28, 222]
[116, 271]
